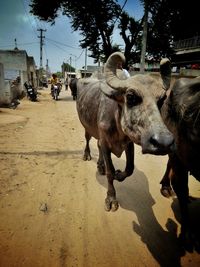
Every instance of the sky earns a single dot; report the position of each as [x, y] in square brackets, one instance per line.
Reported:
[60, 44]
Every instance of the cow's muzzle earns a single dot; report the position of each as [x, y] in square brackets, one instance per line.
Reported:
[158, 144]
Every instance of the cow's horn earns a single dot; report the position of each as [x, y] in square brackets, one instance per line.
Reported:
[165, 71]
[110, 71]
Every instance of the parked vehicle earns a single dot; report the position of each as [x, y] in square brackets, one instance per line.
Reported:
[31, 92]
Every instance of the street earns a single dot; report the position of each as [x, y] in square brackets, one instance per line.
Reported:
[52, 202]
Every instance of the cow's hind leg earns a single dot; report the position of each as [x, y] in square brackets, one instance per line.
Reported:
[100, 162]
[87, 155]
[119, 175]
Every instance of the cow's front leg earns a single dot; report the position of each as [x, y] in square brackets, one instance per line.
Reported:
[179, 181]
[100, 162]
[119, 175]
[111, 202]
[166, 189]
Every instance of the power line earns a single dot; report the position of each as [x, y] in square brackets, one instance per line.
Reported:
[52, 43]
[63, 44]
[79, 55]
[120, 11]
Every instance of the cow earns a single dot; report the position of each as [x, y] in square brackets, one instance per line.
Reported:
[73, 87]
[119, 113]
[181, 114]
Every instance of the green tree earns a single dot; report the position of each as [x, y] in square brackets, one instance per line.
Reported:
[94, 19]
[96, 25]
[171, 20]
[130, 31]
[67, 67]
[182, 17]
[159, 29]
[168, 20]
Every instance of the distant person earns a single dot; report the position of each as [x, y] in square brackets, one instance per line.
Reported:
[53, 81]
[124, 73]
[66, 84]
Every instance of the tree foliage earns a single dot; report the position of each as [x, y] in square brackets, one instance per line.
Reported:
[96, 20]
[130, 31]
[67, 67]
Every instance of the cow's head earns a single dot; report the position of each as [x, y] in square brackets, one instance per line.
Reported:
[138, 98]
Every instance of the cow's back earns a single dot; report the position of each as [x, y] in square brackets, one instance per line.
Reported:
[92, 105]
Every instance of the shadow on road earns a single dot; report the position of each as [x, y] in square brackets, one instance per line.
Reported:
[64, 153]
[133, 194]
[65, 99]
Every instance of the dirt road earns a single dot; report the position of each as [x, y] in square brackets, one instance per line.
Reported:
[52, 202]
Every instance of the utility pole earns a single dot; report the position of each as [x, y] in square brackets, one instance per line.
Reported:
[144, 38]
[85, 61]
[41, 44]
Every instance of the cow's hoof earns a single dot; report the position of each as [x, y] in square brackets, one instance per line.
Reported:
[111, 205]
[166, 191]
[114, 205]
[87, 157]
[101, 168]
[120, 176]
[191, 199]
[187, 241]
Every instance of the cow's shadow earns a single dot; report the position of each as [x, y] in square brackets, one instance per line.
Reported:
[133, 194]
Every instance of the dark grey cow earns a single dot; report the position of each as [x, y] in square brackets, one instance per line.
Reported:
[73, 87]
[181, 113]
[119, 113]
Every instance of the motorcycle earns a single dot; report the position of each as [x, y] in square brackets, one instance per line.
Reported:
[31, 92]
[55, 91]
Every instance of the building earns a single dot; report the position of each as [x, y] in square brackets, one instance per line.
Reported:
[187, 56]
[15, 64]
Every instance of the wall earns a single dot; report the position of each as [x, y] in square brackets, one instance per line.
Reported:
[5, 94]
[15, 60]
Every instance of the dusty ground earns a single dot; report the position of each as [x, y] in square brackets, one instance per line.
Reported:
[52, 203]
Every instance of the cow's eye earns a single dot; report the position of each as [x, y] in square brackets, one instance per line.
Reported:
[133, 100]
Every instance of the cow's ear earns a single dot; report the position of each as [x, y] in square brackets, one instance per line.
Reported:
[165, 72]
[116, 95]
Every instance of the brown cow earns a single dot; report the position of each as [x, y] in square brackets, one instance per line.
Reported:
[119, 113]
[181, 113]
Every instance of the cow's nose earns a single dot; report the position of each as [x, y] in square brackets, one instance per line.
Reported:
[162, 144]
[158, 144]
